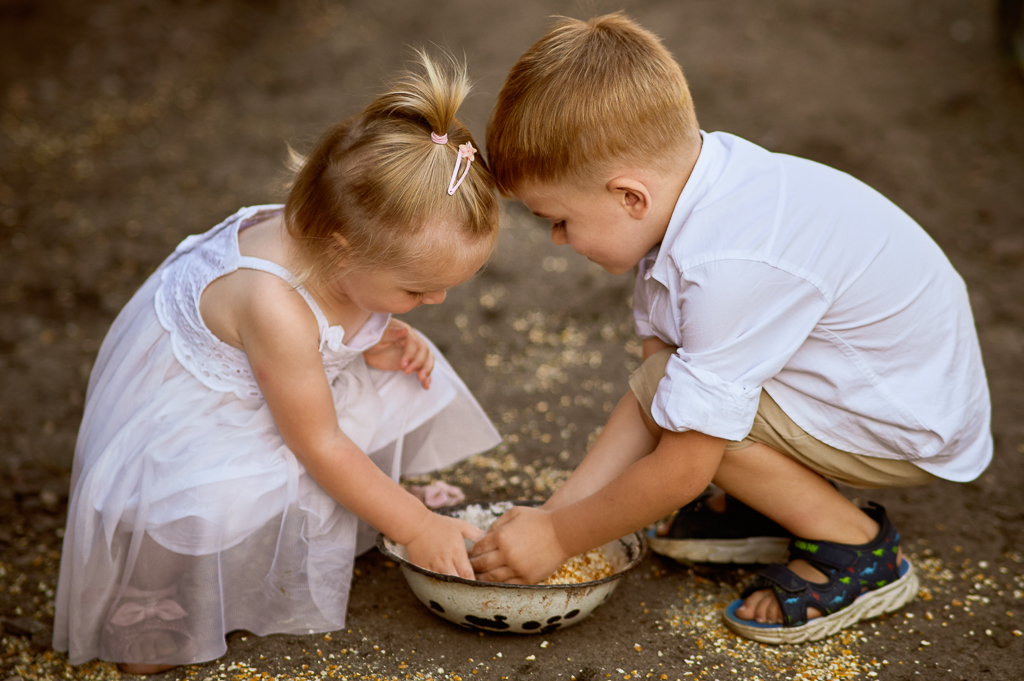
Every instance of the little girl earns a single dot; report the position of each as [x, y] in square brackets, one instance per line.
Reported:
[254, 404]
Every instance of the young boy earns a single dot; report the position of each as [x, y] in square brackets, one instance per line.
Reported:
[798, 328]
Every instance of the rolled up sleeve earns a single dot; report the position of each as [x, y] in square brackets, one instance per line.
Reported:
[741, 322]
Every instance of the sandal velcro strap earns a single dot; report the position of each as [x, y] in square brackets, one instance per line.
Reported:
[795, 594]
[776, 576]
[829, 554]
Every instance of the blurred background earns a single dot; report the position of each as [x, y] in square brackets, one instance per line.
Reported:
[126, 125]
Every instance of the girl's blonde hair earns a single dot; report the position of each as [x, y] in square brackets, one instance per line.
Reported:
[584, 96]
[373, 191]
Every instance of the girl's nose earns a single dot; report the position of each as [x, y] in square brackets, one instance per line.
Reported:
[434, 297]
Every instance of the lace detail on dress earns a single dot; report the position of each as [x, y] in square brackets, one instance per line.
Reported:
[199, 260]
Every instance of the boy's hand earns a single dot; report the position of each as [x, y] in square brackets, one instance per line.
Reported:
[440, 546]
[402, 349]
[521, 547]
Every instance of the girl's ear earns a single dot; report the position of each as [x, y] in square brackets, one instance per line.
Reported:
[632, 195]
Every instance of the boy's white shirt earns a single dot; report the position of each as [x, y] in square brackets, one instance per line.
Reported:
[781, 273]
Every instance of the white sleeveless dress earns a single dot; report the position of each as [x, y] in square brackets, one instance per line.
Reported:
[188, 516]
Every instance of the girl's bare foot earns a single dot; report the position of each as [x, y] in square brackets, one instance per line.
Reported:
[153, 645]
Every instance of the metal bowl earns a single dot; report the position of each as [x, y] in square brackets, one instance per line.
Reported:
[514, 608]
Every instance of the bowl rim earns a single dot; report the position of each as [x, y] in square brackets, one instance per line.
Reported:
[450, 510]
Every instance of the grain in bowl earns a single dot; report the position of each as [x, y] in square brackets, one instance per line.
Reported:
[518, 608]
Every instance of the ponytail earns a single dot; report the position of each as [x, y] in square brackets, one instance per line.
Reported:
[373, 191]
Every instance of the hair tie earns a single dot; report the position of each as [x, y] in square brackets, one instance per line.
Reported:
[466, 151]
[438, 139]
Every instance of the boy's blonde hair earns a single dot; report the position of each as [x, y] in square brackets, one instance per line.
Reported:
[373, 192]
[587, 95]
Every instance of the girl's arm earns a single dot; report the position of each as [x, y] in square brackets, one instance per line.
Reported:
[280, 337]
[402, 349]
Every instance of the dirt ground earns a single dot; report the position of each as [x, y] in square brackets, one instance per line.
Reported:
[126, 125]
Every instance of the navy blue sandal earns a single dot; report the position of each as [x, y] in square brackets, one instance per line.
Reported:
[864, 581]
[699, 534]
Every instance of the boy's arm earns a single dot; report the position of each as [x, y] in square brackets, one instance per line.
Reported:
[526, 545]
[623, 440]
[654, 344]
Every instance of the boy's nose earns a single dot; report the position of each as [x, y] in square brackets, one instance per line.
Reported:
[434, 297]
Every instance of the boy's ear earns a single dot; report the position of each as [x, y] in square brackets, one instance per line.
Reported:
[633, 195]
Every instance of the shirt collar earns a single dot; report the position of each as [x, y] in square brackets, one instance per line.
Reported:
[709, 160]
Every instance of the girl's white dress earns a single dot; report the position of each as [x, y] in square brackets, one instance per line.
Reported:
[189, 517]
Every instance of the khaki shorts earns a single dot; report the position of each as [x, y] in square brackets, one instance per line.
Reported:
[772, 427]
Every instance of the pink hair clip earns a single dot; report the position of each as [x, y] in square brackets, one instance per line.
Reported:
[466, 151]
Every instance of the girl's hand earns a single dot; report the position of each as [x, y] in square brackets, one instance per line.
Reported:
[440, 545]
[521, 547]
[402, 349]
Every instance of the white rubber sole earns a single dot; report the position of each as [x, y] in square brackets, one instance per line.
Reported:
[871, 604]
[747, 550]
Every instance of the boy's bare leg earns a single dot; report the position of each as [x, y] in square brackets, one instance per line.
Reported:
[798, 499]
